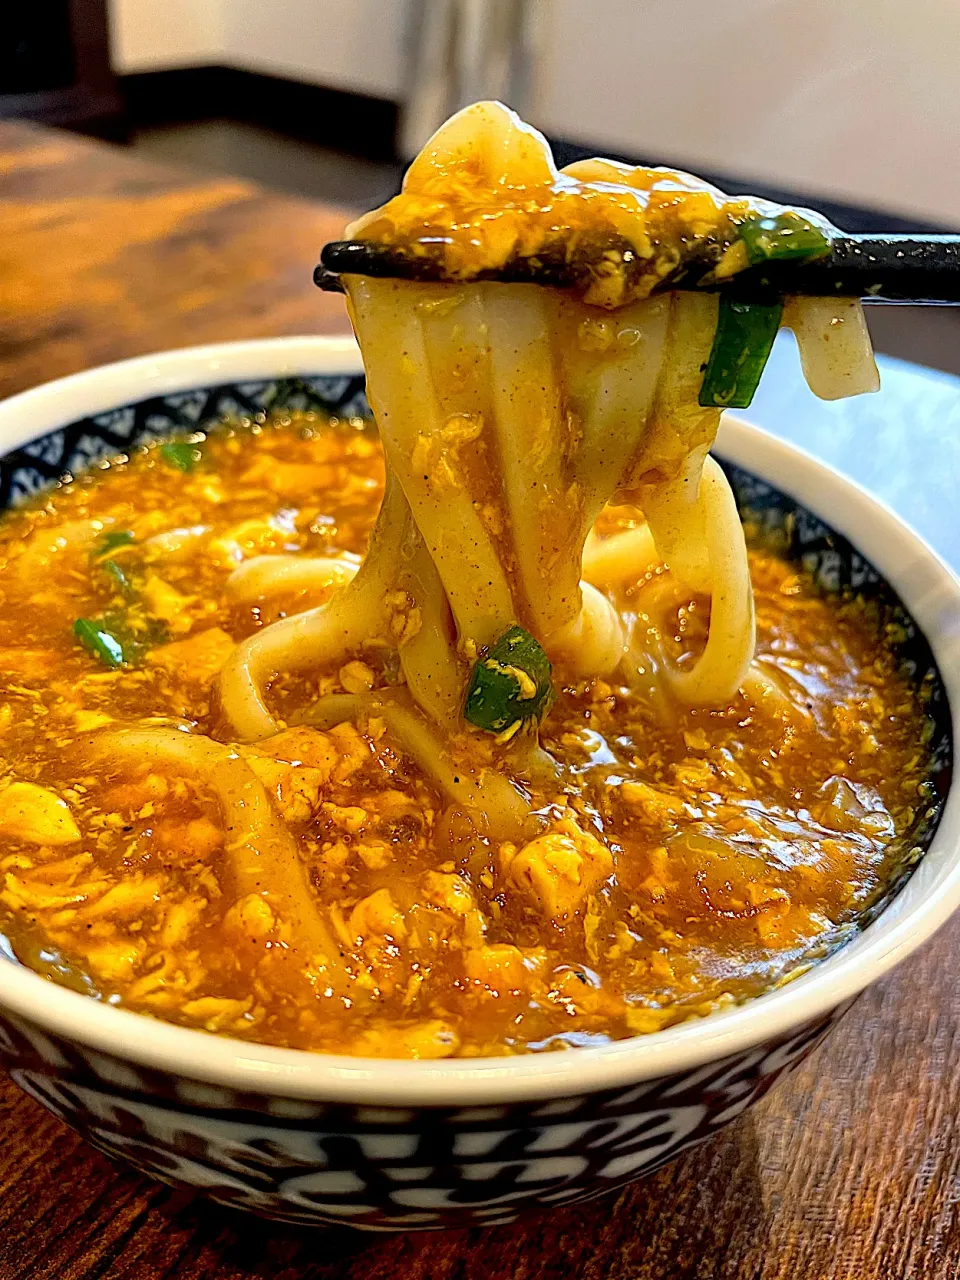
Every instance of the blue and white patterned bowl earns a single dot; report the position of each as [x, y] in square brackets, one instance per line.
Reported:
[413, 1145]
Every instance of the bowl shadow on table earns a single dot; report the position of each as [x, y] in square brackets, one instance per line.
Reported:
[703, 1214]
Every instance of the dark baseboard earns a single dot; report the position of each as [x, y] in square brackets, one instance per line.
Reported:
[81, 107]
[351, 122]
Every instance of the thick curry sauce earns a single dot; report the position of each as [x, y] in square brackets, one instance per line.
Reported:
[692, 861]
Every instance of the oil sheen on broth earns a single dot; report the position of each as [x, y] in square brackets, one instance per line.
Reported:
[670, 863]
[484, 733]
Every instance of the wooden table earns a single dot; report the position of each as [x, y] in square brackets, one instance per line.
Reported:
[850, 1170]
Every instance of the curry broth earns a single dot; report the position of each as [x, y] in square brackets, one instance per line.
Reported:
[711, 856]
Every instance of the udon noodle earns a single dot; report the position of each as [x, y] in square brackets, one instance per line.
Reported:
[489, 734]
[512, 415]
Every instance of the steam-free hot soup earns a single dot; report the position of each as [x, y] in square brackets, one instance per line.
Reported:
[318, 888]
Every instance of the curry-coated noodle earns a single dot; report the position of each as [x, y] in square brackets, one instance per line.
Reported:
[482, 731]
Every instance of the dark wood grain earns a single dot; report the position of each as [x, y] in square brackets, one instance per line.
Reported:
[850, 1170]
[103, 256]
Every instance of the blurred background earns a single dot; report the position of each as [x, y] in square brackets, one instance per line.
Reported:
[850, 108]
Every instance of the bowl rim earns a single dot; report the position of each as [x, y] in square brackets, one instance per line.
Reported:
[929, 589]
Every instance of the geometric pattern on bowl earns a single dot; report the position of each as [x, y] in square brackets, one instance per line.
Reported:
[394, 1168]
[389, 1168]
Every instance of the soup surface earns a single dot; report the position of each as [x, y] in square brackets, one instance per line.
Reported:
[676, 861]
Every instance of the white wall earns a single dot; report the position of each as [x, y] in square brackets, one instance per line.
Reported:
[150, 35]
[348, 44]
[856, 98]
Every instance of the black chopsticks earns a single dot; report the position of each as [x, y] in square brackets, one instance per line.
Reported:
[878, 268]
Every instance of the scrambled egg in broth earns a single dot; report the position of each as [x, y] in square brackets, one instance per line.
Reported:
[691, 860]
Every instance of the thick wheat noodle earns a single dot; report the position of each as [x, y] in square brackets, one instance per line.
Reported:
[318, 636]
[764, 685]
[620, 558]
[484, 792]
[618, 398]
[34, 563]
[260, 853]
[667, 494]
[264, 576]
[530, 426]
[355, 615]
[593, 644]
[428, 658]
[623, 557]
[509, 417]
[834, 343]
[590, 642]
[719, 671]
[176, 544]
[674, 515]
[404, 402]
[725, 661]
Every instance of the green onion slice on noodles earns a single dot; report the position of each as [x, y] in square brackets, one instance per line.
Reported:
[510, 684]
[741, 346]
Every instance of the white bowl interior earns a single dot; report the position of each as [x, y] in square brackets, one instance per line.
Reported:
[928, 589]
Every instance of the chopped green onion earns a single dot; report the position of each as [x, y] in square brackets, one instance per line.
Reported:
[510, 684]
[117, 574]
[180, 454]
[113, 540]
[741, 345]
[782, 237]
[103, 643]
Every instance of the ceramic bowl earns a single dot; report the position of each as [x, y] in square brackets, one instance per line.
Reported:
[411, 1145]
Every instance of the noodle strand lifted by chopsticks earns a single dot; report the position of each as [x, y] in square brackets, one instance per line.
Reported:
[510, 416]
